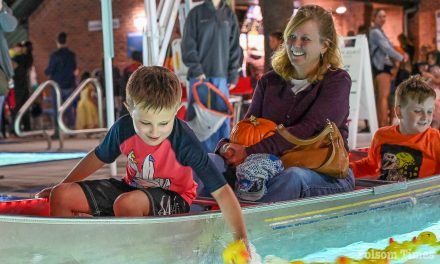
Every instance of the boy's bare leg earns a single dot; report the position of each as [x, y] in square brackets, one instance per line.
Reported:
[134, 203]
[68, 199]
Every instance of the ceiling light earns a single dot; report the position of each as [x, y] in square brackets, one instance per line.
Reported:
[139, 22]
[341, 9]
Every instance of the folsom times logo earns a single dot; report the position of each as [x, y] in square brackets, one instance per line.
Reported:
[402, 254]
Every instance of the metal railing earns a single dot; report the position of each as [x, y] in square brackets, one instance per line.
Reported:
[66, 130]
[46, 133]
[237, 102]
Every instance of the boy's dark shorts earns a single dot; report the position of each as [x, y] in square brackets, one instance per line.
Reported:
[101, 195]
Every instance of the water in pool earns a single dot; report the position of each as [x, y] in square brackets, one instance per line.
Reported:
[5, 197]
[360, 250]
[358, 232]
[14, 158]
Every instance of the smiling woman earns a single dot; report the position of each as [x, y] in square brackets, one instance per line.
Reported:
[306, 88]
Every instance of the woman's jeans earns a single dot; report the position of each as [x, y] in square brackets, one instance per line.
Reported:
[294, 183]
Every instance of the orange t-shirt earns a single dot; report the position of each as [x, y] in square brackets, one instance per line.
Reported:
[394, 156]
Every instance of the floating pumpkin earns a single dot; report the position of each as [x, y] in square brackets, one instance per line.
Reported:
[251, 131]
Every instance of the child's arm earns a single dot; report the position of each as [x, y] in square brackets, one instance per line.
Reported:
[85, 167]
[370, 165]
[231, 210]
[364, 167]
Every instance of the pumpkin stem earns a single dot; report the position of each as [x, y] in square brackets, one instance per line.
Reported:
[253, 120]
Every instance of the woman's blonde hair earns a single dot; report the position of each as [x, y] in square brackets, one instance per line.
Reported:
[330, 59]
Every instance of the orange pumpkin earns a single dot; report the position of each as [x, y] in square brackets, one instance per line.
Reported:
[250, 131]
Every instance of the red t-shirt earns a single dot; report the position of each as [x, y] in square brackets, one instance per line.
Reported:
[169, 165]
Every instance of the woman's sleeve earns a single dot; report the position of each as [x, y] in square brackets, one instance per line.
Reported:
[385, 46]
[332, 103]
[256, 106]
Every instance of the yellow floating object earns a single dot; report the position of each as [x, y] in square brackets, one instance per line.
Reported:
[426, 238]
[345, 260]
[236, 253]
[394, 250]
[410, 246]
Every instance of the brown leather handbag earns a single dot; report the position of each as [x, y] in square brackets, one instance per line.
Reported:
[324, 153]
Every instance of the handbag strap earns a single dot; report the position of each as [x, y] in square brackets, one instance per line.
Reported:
[332, 156]
[303, 142]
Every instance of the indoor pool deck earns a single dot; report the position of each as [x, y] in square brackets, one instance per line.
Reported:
[25, 179]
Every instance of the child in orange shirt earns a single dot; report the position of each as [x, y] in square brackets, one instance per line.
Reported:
[410, 149]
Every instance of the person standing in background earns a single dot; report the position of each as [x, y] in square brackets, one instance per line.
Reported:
[211, 50]
[134, 63]
[22, 63]
[61, 69]
[407, 46]
[432, 74]
[86, 111]
[8, 23]
[381, 52]
[275, 40]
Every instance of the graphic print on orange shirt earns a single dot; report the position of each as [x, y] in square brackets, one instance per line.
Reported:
[400, 163]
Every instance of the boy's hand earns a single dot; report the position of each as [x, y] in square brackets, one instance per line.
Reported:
[44, 193]
[236, 253]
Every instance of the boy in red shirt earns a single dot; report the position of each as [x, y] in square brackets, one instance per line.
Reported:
[410, 149]
[162, 155]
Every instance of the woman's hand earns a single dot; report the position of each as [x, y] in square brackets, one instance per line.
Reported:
[233, 153]
[405, 57]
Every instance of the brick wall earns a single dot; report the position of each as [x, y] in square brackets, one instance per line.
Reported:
[354, 16]
[348, 21]
[72, 16]
[423, 23]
